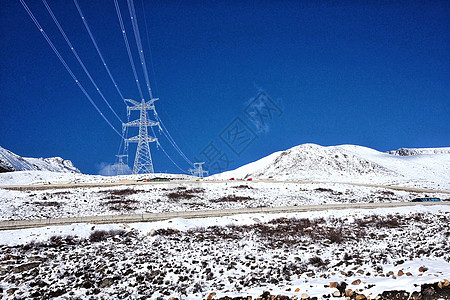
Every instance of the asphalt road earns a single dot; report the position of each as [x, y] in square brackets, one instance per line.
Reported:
[151, 217]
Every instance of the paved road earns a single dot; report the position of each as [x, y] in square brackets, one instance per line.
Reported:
[151, 217]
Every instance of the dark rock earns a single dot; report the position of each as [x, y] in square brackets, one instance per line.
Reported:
[11, 291]
[265, 295]
[395, 295]
[107, 282]
[433, 291]
[341, 287]
[87, 284]
[57, 293]
[25, 267]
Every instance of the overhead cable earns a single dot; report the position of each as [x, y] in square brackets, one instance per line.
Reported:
[65, 65]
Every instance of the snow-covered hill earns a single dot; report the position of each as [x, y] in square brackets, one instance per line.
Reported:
[350, 163]
[417, 151]
[10, 161]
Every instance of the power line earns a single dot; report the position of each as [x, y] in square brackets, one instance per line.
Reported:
[98, 49]
[79, 59]
[163, 129]
[137, 37]
[65, 64]
[171, 140]
[144, 68]
[149, 48]
[127, 44]
[164, 151]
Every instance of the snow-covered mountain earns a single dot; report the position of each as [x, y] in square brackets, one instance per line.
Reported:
[350, 163]
[417, 151]
[10, 161]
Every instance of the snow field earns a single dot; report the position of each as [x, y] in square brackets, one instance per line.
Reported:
[288, 254]
[188, 196]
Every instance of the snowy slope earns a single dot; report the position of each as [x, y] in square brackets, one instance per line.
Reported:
[10, 161]
[417, 151]
[350, 163]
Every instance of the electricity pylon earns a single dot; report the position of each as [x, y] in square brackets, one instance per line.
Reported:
[121, 168]
[143, 161]
[198, 170]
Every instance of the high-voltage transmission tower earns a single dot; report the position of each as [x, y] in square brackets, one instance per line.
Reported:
[143, 161]
[198, 170]
[121, 168]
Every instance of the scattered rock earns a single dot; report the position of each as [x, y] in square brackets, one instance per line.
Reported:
[423, 269]
[348, 292]
[400, 273]
[356, 282]
[304, 296]
[11, 291]
[341, 287]
[333, 284]
[25, 267]
[57, 293]
[446, 282]
[337, 294]
[416, 296]
[210, 296]
[395, 295]
[107, 282]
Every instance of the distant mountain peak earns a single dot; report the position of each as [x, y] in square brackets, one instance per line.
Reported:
[10, 162]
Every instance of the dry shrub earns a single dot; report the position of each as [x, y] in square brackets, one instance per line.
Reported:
[121, 204]
[231, 198]
[242, 186]
[47, 203]
[183, 193]
[103, 235]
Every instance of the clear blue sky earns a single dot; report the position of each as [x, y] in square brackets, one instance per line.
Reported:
[371, 73]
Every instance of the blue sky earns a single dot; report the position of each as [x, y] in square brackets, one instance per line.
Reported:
[371, 73]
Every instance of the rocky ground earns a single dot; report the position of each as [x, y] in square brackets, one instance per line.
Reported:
[358, 256]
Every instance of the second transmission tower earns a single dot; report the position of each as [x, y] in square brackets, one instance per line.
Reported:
[143, 161]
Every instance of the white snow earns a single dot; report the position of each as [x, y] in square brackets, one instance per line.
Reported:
[314, 282]
[10, 161]
[350, 163]
[303, 175]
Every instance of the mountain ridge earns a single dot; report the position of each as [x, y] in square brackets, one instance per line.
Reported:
[10, 162]
[350, 163]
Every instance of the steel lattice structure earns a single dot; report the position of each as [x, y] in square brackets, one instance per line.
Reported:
[143, 160]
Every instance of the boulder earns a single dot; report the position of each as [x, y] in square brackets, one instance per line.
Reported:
[107, 282]
[333, 284]
[210, 296]
[356, 282]
[423, 269]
